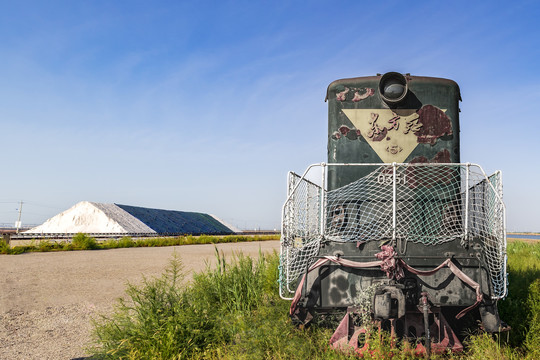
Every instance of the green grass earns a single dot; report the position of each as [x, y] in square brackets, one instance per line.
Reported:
[232, 311]
[532, 337]
[84, 242]
[518, 309]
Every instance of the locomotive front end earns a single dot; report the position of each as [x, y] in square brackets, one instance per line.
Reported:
[395, 220]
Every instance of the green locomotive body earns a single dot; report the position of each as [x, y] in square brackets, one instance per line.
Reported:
[364, 128]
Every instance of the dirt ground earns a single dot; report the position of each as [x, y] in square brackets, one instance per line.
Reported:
[48, 299]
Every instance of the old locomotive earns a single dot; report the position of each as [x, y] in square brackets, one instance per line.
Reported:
[395, 216]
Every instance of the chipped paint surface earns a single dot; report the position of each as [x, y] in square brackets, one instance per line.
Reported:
[435, 123]
[342, 96]
[441, 157]
[359, 93]
[345, 131]
[367, 93]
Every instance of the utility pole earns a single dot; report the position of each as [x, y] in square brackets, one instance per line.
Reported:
[18, 223]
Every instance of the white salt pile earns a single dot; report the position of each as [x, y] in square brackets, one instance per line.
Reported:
[89, 217]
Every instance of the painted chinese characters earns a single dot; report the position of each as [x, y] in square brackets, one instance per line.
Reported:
[376, 133]
[412, 125]
[394, 122]
[394, 134]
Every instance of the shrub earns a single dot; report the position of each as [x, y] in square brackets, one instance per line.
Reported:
[45, 245]
[4, 247]
[84, 242]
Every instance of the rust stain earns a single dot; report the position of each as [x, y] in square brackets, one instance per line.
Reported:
[344, 129]
[434, 124]
[426, 177]
[442, 156]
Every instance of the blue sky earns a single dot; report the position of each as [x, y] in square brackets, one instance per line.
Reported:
[205, 105]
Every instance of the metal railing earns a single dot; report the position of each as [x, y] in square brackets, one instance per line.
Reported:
[399, 203]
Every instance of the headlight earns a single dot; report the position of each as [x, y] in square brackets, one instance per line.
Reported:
[393, 87]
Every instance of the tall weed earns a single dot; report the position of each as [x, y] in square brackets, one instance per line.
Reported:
[148, 324]
[164, 319]
[234, 287]
[485, 346]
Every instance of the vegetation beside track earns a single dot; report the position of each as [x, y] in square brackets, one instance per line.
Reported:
[84, 242]
[233, 311]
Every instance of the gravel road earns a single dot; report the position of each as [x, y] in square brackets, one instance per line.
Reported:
[48, 299]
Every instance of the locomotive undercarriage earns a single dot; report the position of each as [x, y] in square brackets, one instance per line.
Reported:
[399, 306]
[336, 267]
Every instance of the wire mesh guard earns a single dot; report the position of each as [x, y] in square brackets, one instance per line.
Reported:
[428, 204]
